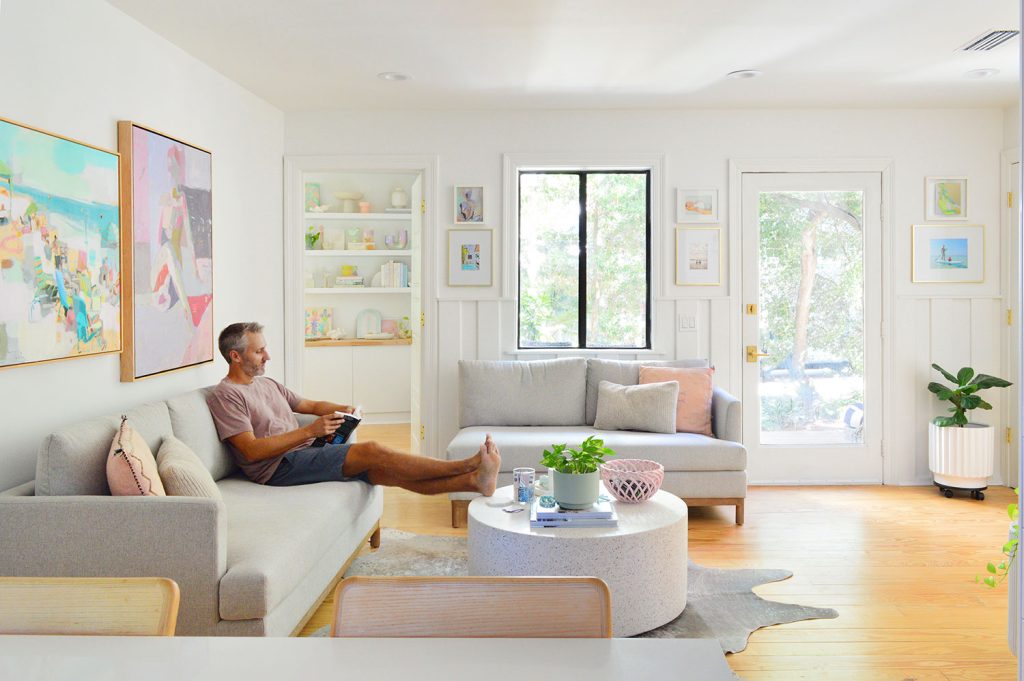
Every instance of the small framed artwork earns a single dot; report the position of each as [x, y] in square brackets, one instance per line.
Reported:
[469, 205]
[945, 198]
[696, 205]
[470, 257]
[318, 322]
[312, 195]
[698, 256]
[948, 254]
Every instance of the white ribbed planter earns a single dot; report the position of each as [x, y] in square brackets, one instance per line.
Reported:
[961, 457]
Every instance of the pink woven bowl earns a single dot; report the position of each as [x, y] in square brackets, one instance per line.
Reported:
[632, 480]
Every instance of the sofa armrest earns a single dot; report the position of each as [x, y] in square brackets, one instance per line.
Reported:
[726, 416]
[183, 538]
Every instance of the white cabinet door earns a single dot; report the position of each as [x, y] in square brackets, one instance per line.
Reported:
[381, 378]
[327, 374]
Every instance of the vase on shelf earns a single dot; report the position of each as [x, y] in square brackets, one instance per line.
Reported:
[399, 198]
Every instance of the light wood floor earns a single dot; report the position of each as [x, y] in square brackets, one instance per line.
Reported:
[898, 563]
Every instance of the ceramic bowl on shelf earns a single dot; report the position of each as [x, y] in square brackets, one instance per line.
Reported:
[379, 336]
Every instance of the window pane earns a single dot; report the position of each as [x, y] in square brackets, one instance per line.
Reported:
[549, 238]
[617, 260]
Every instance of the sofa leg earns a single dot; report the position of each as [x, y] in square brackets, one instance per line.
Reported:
[375, 538]
[739, 511]
[460, 512]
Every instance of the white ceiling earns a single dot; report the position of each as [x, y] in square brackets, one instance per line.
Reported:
[490, 54]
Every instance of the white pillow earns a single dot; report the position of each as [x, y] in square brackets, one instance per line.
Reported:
[650, 407]
[183, 473]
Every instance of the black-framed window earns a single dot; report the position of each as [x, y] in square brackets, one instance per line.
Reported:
[584, 259]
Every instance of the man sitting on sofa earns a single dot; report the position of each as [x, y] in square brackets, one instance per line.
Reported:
[255, 415]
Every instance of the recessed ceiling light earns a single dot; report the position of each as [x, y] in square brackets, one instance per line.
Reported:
[393, 76]
[744, 74]
[981, 73]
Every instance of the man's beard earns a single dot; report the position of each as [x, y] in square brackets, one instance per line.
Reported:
[254, 369]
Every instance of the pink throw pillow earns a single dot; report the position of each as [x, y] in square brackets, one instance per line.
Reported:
[131, 468]
[693, 411]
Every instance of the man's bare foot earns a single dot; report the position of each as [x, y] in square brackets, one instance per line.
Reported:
[490, 464]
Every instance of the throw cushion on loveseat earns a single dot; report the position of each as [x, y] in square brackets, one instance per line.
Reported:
[623, 372]
[131, 468]
[182, 473]
[650, 408]
[693, 410]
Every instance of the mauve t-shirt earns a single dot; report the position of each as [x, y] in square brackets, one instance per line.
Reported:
[264, 408]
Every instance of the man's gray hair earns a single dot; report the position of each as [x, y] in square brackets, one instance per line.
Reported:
[233, 337]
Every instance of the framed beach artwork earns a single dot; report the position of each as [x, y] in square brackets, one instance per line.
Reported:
[470, 257]
[168, 254]
[945, 198]
[698, 256]
[948, 254]
[60, 247]
[696, 205]
[469, 205]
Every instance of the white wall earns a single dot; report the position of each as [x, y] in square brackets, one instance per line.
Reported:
[953, 324]
[76, 67]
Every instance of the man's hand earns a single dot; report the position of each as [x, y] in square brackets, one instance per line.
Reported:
[325, 425]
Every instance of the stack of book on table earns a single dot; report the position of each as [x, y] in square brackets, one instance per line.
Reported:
[601, 514]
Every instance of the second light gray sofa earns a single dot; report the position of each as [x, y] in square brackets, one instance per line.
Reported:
[253, 564]
[529, 405]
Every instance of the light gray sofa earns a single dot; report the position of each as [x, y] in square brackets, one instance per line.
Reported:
[254, 564]
[528, 406]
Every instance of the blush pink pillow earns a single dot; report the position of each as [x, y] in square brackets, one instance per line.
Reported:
[693, 411]
[131, 468]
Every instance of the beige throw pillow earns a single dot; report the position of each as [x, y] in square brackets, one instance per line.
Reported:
[131, 468]
[650, 408]
[183, 473]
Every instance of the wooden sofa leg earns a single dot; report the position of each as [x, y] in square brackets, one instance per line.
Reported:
[375, 538]
[460, 512]
[739, 511]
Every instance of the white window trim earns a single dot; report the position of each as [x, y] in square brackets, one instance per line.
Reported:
[513, 164]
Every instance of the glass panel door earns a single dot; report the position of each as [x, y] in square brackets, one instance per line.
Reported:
[812, 296]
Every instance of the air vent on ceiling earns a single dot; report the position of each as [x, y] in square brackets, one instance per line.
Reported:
[989, 41]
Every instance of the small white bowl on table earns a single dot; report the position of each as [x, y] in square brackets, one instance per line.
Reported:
[643, 559]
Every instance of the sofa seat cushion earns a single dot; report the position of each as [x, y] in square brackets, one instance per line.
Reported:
[523, 446]
[276, 535]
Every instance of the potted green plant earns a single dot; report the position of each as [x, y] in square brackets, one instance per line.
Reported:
[960, 453]
[574, 472]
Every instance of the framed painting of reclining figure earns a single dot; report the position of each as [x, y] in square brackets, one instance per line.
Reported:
[60, 248]
[168, 235]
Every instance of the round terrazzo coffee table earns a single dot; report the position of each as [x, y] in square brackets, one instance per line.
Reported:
[643, 560]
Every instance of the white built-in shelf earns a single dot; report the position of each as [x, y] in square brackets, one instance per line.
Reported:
[359, 289]
[373, 253]
[348, 342]
[359, 216]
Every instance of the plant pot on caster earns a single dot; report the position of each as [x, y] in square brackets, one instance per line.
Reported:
[961, 455]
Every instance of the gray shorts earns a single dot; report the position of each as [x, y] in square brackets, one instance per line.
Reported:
[312, 464]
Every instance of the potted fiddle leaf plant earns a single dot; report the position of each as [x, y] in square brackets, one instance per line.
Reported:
[574, 472]
[960, 453]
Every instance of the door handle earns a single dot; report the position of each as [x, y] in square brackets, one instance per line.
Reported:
[753, 354]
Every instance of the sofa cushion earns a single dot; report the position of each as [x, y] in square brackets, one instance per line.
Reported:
[182, 473]
[276, 535]
[623, 372]
[193, 425]
[540, 393]
[650, 408]
[72, 459]
[521, 446]
[693, 409]
[131, 467]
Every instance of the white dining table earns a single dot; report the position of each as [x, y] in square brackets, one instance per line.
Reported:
[116, 658]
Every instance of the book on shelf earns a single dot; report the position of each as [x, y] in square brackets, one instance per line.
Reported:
[394, 275]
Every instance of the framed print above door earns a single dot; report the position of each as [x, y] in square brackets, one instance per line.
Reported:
[60, 248]
[168, 235]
